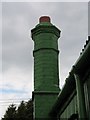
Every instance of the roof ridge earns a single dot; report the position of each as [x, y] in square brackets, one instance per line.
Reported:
[87, 41]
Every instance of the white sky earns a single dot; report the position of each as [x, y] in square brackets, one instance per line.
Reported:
[17, 46]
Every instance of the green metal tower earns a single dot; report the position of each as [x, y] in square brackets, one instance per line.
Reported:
[46, 70]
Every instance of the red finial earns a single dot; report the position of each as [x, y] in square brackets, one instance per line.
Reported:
[44, 19]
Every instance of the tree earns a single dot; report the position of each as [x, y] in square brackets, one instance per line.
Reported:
[10, 113]
[23, 112]
[29, 110]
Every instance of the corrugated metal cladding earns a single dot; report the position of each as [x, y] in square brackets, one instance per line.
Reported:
[87, 94]
[71, 109]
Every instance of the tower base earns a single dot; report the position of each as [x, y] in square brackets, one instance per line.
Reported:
[43, 102]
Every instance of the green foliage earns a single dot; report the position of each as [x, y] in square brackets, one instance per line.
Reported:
[10, 113]
[23, 112]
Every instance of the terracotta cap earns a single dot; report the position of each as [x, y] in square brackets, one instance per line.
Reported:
[44, 19]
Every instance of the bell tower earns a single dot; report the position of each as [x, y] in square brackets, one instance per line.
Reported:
[46, 69]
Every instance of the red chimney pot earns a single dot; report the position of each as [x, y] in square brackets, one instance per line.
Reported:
[44, 19]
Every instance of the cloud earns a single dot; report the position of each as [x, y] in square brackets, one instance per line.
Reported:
[16, 43]
[18, 79]
[88, 18]
[0, 39]
[10, 91]
[45, 1]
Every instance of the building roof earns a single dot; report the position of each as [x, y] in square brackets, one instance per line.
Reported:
[81, 66]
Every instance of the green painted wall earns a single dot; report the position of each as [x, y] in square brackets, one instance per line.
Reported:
[43, 103]
[70, 109]
[46, 71]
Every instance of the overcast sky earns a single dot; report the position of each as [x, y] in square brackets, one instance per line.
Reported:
[17, 46]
